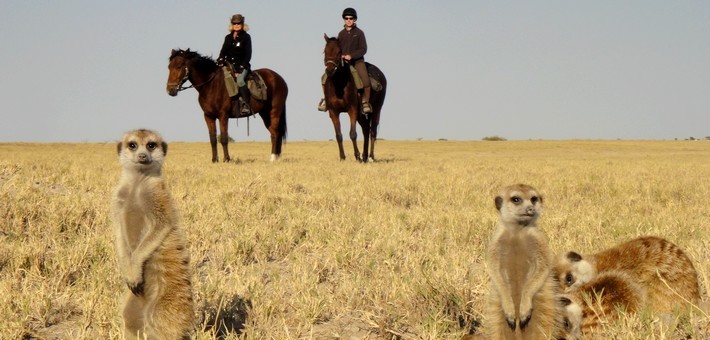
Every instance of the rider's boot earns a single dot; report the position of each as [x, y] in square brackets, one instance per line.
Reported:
[321, 105]
[366, 100]
[244, 93]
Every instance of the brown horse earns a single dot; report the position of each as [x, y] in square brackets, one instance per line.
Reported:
[341, 95]
[208, 79]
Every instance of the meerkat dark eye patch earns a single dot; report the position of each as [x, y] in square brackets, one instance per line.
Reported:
[516, 199]
[151, 146]
[132, 145]
[534, 199]
[565, 301]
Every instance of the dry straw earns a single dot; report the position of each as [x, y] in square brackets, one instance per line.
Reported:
[312, 247]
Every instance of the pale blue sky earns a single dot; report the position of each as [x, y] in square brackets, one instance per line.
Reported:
[87, 71]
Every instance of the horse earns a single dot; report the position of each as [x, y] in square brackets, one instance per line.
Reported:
[341, 95]
[208, 79]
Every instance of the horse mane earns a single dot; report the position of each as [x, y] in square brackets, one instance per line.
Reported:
[201, 63]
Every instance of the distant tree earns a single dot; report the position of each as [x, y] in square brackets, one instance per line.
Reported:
[231, 140]
[494, 138]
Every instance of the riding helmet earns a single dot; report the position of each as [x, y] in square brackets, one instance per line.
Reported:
[349, 12]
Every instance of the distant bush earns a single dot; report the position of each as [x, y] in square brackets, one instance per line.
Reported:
[494, 138]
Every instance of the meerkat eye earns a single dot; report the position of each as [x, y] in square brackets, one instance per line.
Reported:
[534, 199]
[152, 146]
[569, 279]
[516, 199]
[132, 145]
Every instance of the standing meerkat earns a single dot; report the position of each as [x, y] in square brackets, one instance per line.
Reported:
[660, 267]
[150, 245]
[523, 301]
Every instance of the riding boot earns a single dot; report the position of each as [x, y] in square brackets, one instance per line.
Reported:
[321, 105]
[366, 100]
[245, 95]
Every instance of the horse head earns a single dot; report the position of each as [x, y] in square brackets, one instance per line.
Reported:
[178, 71]
[332, 55]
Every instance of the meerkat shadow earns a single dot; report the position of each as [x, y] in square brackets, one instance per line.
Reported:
[226, 316]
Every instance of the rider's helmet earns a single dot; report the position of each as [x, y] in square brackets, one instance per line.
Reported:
[349, 12]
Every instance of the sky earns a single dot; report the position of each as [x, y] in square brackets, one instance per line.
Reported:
[88, 71]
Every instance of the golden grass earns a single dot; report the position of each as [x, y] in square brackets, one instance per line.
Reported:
[312, 247]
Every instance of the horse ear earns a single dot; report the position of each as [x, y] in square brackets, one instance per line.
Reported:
[325, 36]
[188, 50]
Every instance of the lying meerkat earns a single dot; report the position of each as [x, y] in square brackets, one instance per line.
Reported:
[522, 300]
[663, 270]
[150, 245]
[600, 299]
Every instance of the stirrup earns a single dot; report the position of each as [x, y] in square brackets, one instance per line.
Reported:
[366, 107]
[321, 105]
[246, 110]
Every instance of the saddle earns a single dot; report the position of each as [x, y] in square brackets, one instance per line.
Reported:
[255, 84]
[374, 84]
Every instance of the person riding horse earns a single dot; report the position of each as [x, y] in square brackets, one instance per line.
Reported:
[353, 47]
[236, 52]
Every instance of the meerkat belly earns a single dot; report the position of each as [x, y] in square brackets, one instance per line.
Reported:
[136, 225]
[517, 265]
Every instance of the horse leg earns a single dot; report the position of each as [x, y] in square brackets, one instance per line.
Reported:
[365, 125]
[272, 124]
[224, 135]
[212, 130]
[338, 135]
[373, 137]
[353, 135]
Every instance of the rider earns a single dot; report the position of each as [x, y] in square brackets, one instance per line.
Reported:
[353, 47]
[236, 50]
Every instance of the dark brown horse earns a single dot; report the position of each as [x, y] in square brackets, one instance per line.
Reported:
[341, 95]
[208, 79]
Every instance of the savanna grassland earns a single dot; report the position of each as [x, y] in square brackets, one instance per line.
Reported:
[312, 247]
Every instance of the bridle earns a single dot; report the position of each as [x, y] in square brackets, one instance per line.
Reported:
[185, 78]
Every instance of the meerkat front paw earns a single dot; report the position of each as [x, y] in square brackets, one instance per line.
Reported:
[134, 281]
[524, 319]
[136, 288]
[525, 312]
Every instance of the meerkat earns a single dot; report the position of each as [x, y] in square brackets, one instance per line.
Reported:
[663, 270]
[599, 300]
[150, 245]
[523, 296]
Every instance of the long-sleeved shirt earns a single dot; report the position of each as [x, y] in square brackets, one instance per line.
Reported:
[237, 50]
[353, 42]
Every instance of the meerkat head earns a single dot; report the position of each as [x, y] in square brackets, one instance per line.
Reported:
[143, 151]
[519, 204]
[571, 316]
[572, 271]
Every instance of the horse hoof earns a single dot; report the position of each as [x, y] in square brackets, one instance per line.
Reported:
[274, 157]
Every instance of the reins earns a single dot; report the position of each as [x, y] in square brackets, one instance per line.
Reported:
[185, 78]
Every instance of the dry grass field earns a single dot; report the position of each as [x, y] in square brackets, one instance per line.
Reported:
[312, 247]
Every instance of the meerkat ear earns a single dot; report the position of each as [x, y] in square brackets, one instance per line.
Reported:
[499, 202]
[119, 146]
[574, 257]
[165, 148]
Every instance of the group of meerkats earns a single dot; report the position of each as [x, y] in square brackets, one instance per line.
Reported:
[537, 295]
[533, 295]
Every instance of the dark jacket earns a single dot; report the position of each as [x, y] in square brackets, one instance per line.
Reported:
[353, 42]
[237, 51]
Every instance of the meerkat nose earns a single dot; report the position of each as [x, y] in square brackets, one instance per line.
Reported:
[143, 158]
